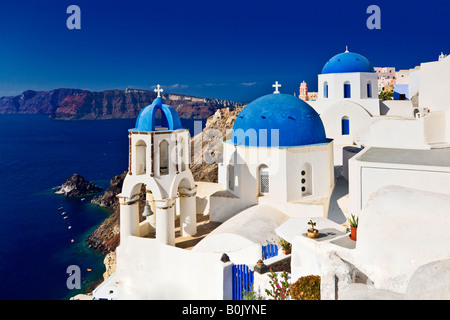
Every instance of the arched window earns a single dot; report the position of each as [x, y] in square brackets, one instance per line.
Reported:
[369, 89]
[325, 89]
[347, 90]
[141, 158]
[163, 157]
[182, 155]
[345, 126]
[263, 180]
[306, 180]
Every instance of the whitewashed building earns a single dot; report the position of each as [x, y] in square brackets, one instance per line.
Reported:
[347, 100]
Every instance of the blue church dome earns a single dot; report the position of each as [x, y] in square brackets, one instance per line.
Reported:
[298, 124]
[146, 119]
[347, 62]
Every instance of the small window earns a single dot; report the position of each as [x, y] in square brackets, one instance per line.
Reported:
[306, 180]
[347, 90]
[369, 90]
[345, 126]
[263, 180]
[325, 89]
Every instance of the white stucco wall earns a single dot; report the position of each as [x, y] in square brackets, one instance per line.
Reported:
[402, 108]
[332, 111]
[285, 166]
[149, 270]
[396, 132]
[435, 85]
[358, 84]
[366, 177]
[414, 82]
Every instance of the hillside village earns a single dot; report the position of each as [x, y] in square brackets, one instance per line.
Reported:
[292, 171]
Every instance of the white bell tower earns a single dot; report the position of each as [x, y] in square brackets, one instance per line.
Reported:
[159, 160]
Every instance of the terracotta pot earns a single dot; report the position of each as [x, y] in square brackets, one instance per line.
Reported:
[286, 251]
[314, 234]
[353, 233]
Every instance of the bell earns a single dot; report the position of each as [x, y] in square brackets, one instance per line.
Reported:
[147, 211]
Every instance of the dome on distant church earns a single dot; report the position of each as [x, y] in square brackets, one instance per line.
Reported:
[298, 123]
[348, 62]
[146, 118]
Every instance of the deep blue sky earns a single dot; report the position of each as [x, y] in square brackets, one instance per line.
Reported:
[233, 49]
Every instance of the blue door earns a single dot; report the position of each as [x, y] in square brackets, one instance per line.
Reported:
[347, 90]
[269, 251]
[242, 280]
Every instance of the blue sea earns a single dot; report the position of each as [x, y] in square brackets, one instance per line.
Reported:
[36, 155]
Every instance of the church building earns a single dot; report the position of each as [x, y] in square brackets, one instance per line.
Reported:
[347, 100]
[278, 155]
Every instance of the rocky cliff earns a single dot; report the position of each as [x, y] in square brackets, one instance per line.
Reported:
[205, 148]
[68, 104]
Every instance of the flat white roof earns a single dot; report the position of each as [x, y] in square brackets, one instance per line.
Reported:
[433, 157]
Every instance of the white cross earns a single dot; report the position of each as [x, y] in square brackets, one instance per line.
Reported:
[276, 86]
[158, 90]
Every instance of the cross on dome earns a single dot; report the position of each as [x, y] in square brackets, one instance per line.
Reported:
[276, 86]
[158, 90]
[346, 48]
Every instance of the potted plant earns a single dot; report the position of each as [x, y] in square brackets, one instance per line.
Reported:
[312, 232]
[353, 221]
[285, 246]
[259, 263]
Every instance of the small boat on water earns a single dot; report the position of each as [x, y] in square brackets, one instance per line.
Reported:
[65, 217]
[60, 208]
[69, 227]
[63, 213]
[82, 199]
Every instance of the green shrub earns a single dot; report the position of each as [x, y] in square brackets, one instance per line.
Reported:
[306, 288]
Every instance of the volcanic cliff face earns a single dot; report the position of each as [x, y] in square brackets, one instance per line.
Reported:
[206, 148]
[69, 104]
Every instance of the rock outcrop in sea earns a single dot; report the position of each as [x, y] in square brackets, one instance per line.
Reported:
[77, 186]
